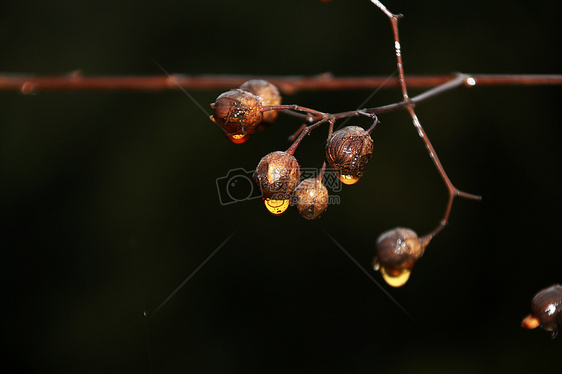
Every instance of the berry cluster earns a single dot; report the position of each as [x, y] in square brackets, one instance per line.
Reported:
[240, 112]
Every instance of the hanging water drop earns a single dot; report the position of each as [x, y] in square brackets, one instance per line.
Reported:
[396, 252]
[238, 138]
[276, 207]
[396, 279]
[348, 179]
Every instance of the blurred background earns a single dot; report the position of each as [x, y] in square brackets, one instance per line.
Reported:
[109, 199]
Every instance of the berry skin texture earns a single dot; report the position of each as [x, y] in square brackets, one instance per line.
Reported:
[277, 175]
[269, 94]
[397, 251]
[546, 308]
[238, 114]
[311, 198]
[347, 151]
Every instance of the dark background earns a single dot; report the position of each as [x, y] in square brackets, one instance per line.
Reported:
[109, 199]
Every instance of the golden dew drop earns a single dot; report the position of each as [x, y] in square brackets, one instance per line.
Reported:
[276, 207]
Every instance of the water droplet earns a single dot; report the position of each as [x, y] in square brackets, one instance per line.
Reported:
[276, 207]
[239, 138]
[348, 179]
[397, 280]
[530, 322]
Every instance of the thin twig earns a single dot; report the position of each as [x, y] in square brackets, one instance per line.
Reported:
[452, 190]
[446, 86]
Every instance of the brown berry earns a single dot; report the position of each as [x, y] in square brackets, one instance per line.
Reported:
[347, 151]
[397, 251]
[238, 114]
[546, 309]
[269, 94]
[311, 198]
[277, 175]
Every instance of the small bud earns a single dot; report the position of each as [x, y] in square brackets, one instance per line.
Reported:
[397, 251]
[546, 310]
[311, 198]
[269, 95]
[238, 114]
[277, 175]
[348, 151]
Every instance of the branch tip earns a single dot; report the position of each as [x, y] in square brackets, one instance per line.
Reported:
[466, 195]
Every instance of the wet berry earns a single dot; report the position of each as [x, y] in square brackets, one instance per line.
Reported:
[311, 198]
[238, 114]
[397, 251]
[268, 93]
[347, 151]
[277, 175]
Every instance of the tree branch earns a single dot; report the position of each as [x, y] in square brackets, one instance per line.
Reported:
[75, 81]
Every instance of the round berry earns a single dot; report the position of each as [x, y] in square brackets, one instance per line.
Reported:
[311, 198]
[269, 94]
[277, 175]
[347, 151]
[238, 114]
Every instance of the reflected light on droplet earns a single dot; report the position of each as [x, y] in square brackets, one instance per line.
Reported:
[238, 138]
[395, 280]
[276, 207]
[530, 322]
[348, 179]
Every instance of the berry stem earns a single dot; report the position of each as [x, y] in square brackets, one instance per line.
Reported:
[297, 133]
[321, 173]
[307, 130]
[314, 113]
[375, 122]
[323, 169]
